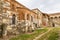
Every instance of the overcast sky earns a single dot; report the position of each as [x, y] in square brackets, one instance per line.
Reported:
[47, 6]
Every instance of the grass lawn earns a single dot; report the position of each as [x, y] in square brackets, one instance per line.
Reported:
[52, 35]
[30, 36]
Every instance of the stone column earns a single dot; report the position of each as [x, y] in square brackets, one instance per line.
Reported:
[1, 18]
[1, 11]
[25, 27]
[25, 16]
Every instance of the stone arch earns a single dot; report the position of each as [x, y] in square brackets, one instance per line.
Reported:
[13, 19]
[59, 16]
[51, 17]
[27, 16]
[55, 17]
[32, 18]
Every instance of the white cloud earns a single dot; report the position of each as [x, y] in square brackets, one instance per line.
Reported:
[48, 6]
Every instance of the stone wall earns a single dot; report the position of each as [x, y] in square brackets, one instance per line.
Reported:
[20, 19]
[55, 19]
[25, 19]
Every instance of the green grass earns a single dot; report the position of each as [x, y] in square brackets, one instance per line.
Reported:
[52, 35]
[29, 36]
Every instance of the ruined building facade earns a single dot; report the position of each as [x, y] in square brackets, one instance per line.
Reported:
[55, 19]
[19, 18]
[43, 18]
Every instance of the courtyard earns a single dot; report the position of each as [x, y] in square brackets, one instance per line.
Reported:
[18, 22]
[49, 33]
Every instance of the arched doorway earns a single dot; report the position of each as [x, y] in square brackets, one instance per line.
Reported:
[13, 19]
[53, 24]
